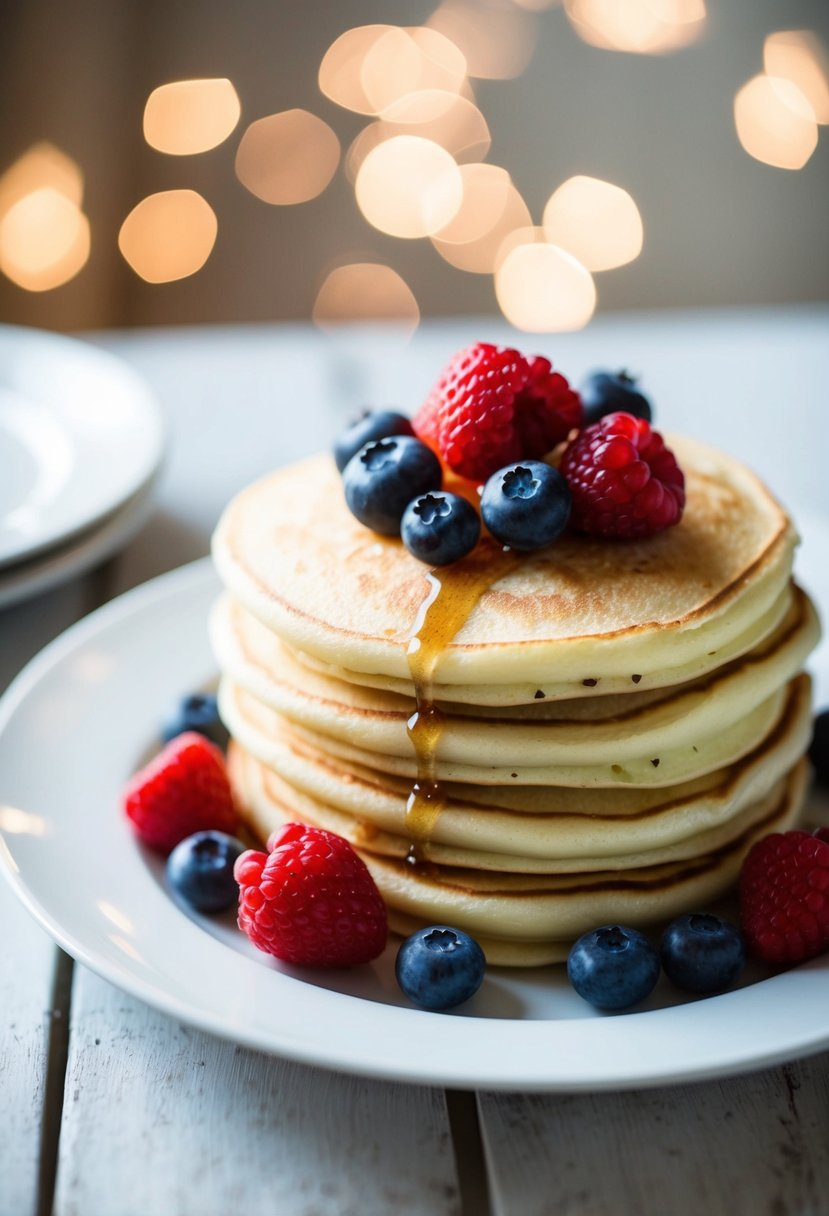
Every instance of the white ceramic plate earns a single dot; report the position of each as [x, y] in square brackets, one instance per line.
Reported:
[26, 579]
[83, 715]
[79, 436]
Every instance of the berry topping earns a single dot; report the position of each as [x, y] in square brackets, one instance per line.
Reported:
[197, 711]
[185, 789]
[493, 405]
[701, 953]
[784, 898]
[200, 870]
[604, 393]
[439, 968]
[624, 481]
[613, 967]
[383, 478]
[440, 528]
[311, 901]
[527, 505]
[371, 425]
[819, 748]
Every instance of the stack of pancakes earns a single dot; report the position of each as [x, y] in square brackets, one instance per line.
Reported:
[610, 724]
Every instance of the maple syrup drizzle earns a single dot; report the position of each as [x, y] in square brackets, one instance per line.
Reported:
[453, 593]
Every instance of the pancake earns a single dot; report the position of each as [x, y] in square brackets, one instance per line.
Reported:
[544, 823]
[531, 919]
[255, 724]
[272, 801]
[582, 732]
[290, 551]
[528, 695]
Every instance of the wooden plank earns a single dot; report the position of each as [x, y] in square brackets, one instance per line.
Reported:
[165, 1119]
[27, 959]
[754, 1145]
[31, 1011]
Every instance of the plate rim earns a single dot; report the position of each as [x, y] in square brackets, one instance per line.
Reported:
[792, 986]
[21, 337]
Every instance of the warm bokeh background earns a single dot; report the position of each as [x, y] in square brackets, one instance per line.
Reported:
[720, 225]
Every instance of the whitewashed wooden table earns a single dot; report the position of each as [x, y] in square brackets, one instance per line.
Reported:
[108, 1108]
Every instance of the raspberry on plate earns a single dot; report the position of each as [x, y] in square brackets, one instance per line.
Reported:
[311, 901]
[784, 898]
[493, 406]
[184, 789]
[625, 483]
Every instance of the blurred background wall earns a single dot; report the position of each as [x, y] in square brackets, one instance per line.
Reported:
[720, 226]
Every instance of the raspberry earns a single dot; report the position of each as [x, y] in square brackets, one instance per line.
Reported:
[624, 481]
[784, 898]
[184, 789]
[493, 406]
[311, 901]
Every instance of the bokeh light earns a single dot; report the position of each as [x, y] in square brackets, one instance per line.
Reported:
[497, 39]
[287, 158]
[408, 187]
[644, 27]
[168, 236]
[190, 116]
[447, 119]
[365, 291]
[484, 188]
[369, 68]
[797, 55]
[41, 166]
[543, 289]
[597, 222]
[775, 123]
[44, 240]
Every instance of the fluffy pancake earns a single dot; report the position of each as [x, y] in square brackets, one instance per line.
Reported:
[291, 552]
[256, 724]
[543, 823]
[524, 919]
[640, 724]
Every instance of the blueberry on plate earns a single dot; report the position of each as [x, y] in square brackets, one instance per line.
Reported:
[197, 711]
[701, 953]
[819, 747]
[440, 528]
[372, 424]
[613, 967]
[200, 870]
[438, 967]
[605, 392]
[526, 505]
[383, 478]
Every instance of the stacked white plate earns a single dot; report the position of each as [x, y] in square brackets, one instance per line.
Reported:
[81, 442]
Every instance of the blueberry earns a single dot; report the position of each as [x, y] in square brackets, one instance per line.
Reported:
[701, 953]
[440, 528]
[200, 870]
[527, 505]
[372, 424]
[439, 967]
[605, 393]
[383, 478]
[819, 748]
[196, 711]
[613, 967]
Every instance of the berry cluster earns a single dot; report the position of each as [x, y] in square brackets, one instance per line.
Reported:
[490, 419]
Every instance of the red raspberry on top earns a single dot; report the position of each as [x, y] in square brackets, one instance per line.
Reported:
[492, 406]
[184, 789]
[311, 901]
[784, 898]
[624, 481]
